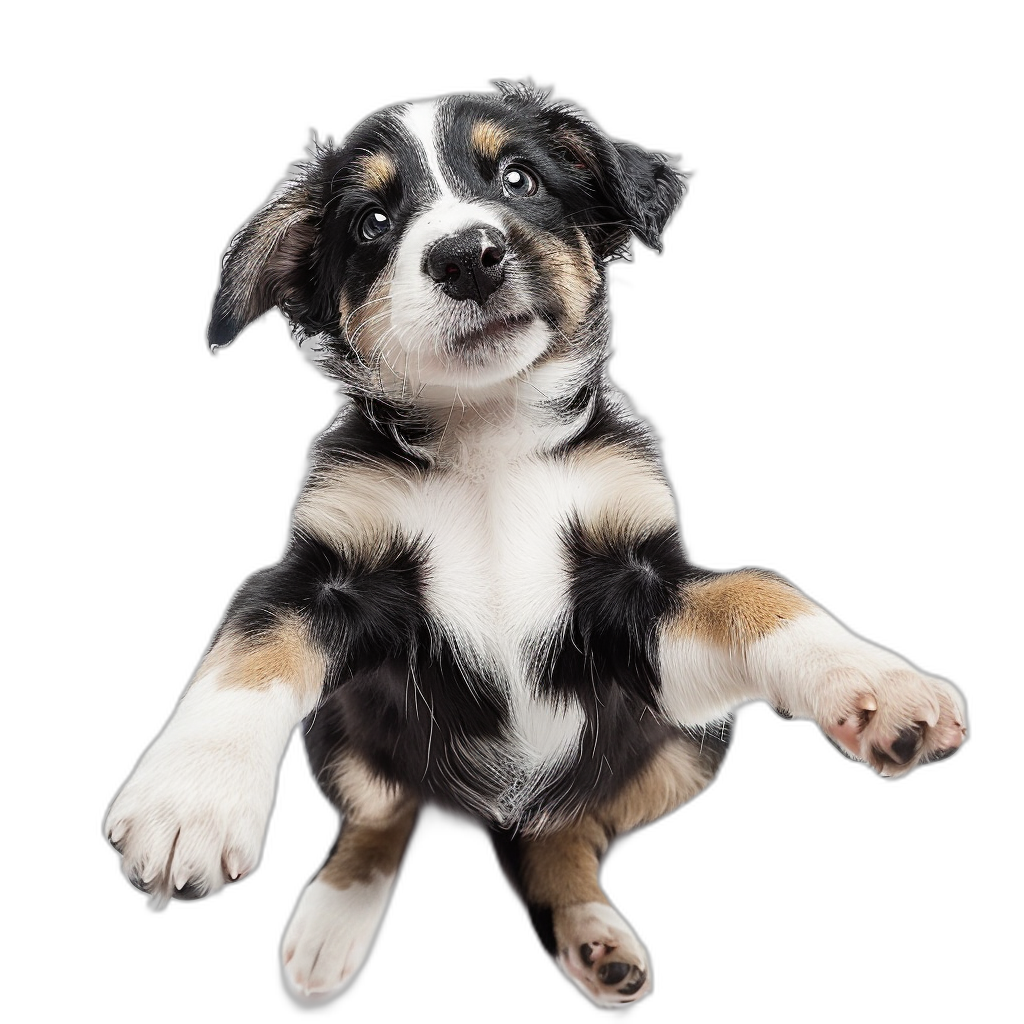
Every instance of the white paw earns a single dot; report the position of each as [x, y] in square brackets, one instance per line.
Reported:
[872, 703]
[600, 953]
[330, 934]
[188, 820]
[193, 814]
[895, 719]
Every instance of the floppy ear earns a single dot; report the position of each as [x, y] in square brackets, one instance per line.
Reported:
[267, 264]
[635, 191]
[647, 189]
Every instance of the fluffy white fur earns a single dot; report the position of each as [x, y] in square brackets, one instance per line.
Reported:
[196, 807]
[330, 933]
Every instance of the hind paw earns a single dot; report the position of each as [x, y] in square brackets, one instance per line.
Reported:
[329, 935]
[600, 953]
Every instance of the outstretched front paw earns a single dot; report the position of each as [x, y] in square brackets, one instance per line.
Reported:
[869, 701]
[184, 828]
[193, 814]
[895, 719]
[191, 817]
[600, 953]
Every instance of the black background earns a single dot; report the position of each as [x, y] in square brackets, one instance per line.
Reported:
[801, 348]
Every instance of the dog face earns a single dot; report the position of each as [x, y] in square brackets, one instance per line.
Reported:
[449, 243]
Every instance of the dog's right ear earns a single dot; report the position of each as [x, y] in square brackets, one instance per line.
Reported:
[268, 263]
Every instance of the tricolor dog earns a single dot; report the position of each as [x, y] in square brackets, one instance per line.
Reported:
[485, 601]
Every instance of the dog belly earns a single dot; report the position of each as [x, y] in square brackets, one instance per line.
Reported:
[456, 738]
[448, 733]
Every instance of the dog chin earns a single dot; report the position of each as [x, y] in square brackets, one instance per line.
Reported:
[487, 355]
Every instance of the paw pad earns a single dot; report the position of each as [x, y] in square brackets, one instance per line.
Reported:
[613, 973]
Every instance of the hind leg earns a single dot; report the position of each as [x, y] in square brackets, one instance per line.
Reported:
[594, 946]
[557, 875]
[338, 913]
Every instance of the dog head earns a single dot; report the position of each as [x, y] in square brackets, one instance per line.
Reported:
[454, 242]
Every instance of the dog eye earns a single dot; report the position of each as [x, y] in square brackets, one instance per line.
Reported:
[518, 181]
[374, 223]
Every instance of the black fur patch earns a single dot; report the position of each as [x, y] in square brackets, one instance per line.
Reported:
[619, 587]
[359, 610]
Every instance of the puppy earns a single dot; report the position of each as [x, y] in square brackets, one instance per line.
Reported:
[485, 601]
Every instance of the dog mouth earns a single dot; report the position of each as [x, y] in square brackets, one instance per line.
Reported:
[490, 335]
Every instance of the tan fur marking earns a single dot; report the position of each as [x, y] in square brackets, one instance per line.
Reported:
[570, 274]
[738, 608]
[487, 138]
[354, 507]
[284, 655]
[561, 869]
[627, 495]
[673, 776]
[365, 798]
[375, 171]
[367, 850]
[364, 325]
[378, 821]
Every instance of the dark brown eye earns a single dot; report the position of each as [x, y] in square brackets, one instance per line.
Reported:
[374, 224]
[517, 181]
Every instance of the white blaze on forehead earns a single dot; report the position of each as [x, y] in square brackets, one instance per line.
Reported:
[421, 121]
[447, 214]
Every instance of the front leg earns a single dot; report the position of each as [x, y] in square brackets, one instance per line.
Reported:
[748, 635]
[193, 814]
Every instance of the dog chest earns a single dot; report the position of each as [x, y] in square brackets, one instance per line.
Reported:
[492, 530]
[490, 533]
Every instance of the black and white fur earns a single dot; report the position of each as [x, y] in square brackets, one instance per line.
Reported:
[485, 601]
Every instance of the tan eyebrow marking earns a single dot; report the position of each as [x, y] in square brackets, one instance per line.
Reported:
[376, 170]
[488, 137]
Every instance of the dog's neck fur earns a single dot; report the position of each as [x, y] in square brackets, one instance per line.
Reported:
[506, 423]
[534, 411]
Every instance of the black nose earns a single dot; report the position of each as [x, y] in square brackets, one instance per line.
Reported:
[469, 264]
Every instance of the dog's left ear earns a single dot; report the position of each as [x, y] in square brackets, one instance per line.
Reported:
[646, 188]
[633, 191]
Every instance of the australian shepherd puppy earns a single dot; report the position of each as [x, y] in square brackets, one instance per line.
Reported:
[485, 601]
